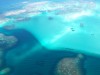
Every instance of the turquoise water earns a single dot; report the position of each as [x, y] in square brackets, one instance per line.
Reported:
[39, 37]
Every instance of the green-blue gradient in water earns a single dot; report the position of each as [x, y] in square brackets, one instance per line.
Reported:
[57, 33]
[46, 24]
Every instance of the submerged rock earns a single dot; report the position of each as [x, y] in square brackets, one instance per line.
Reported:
[7, 41]
[5, 71]
[9, 27]
[70, 66]
[21, 19]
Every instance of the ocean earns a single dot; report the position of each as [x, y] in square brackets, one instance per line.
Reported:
[49, 37]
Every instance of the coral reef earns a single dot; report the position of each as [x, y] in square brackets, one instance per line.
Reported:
[70, 66]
